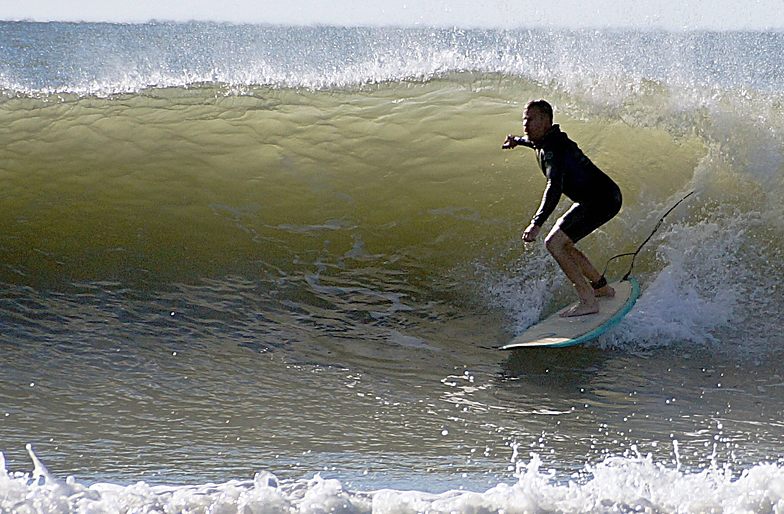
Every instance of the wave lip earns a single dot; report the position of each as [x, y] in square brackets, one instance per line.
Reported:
[105, 59]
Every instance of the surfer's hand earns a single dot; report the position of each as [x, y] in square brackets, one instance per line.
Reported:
[530, 233]
[509, 143]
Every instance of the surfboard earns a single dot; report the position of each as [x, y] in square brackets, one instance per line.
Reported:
[557, 332]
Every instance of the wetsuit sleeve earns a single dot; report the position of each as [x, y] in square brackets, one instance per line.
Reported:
[552, 192]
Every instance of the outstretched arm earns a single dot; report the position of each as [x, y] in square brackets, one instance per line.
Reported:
[513, 141]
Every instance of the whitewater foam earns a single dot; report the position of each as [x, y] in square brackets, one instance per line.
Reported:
[629, 483]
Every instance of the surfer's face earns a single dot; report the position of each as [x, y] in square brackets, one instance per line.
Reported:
[535, 123]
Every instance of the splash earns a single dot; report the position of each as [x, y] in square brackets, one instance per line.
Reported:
[607, 66]
[629, 483]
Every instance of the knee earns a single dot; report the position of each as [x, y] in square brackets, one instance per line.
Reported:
[554, 244]
[557, 243]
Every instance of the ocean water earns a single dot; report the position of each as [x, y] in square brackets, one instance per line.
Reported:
[267, 269]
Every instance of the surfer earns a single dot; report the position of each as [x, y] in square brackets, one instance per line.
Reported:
[596, 197]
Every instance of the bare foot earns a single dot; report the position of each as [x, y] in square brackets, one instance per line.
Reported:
[581, 309]
[604, 291]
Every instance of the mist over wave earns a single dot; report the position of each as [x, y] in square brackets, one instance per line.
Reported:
[117, 58]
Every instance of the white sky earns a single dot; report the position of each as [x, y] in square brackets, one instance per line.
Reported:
[667, 14]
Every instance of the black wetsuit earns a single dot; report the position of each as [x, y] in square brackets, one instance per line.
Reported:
[597, 197]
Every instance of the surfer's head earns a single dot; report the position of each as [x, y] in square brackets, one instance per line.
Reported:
[537, 119]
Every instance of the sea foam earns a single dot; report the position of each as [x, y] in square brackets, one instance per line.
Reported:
[629, 483]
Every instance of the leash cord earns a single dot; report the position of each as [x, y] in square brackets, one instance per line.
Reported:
[634, 253]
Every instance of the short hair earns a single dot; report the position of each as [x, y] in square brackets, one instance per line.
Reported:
[542, 106]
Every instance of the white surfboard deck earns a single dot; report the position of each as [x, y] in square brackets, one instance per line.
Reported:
[557, 332]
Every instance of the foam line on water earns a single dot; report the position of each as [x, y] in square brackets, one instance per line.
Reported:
[631, 482]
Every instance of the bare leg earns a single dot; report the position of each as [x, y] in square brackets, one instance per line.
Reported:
[562, 249]
[589, 271]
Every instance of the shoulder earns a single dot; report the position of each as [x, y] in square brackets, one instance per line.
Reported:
[556, 140]
[552, 149]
